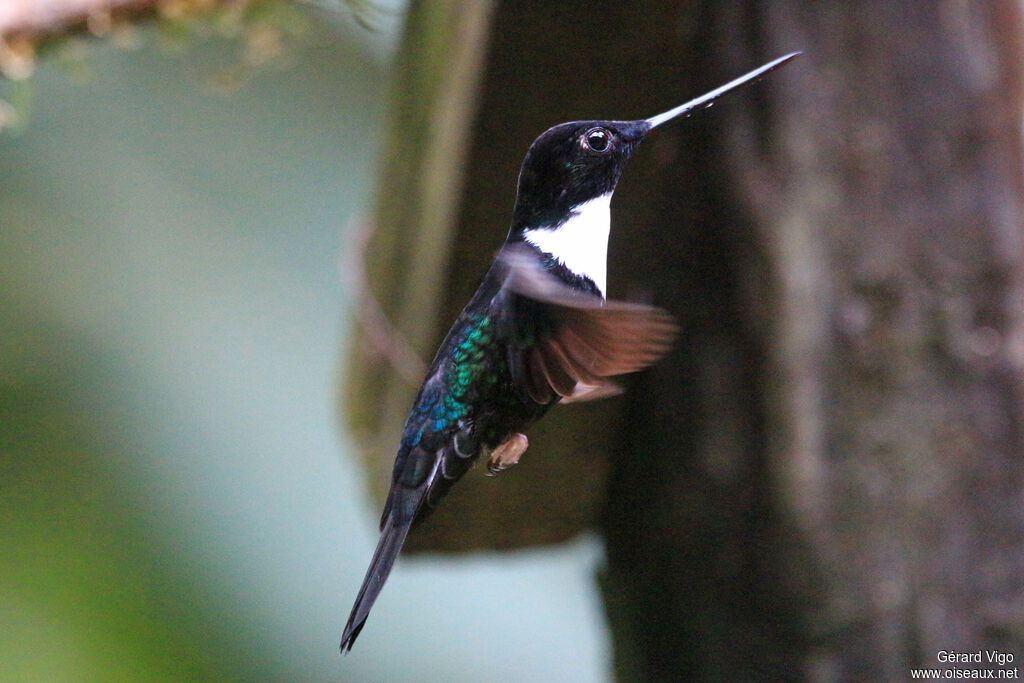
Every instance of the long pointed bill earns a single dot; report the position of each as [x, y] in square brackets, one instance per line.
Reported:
[706, 100]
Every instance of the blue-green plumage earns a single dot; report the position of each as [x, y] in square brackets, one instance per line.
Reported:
[469, 392]
[537, 331]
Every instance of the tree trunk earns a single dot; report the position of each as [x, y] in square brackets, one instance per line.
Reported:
[824, 481]
[827, 483]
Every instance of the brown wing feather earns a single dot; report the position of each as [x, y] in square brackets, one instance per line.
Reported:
[576, 359]
[558, 374]
[616, 339]
[593, 339]
[537, 386]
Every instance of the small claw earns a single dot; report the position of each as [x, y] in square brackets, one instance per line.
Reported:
[507, 454]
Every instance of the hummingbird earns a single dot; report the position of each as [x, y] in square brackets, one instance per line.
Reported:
[538, 331]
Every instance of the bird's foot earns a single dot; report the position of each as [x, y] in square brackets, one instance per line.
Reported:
[507, 454]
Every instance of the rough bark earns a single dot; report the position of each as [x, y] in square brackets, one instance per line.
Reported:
[838, 495]
[824, 481]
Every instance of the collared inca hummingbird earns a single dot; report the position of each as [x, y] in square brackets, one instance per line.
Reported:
[538, 331]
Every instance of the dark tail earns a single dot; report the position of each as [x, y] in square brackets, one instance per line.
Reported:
[392, 538]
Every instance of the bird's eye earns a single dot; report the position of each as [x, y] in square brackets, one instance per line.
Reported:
[597, 139]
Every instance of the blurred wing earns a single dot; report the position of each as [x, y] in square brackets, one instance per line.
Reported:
[565, 343]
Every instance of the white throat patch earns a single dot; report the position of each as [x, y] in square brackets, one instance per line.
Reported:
[581, 243]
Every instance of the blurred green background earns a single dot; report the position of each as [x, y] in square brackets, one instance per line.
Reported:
[177, 497]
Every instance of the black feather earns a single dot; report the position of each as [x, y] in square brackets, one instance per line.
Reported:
[404, 504]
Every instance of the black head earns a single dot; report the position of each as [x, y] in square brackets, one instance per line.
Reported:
[570, 164]
[575, 162]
